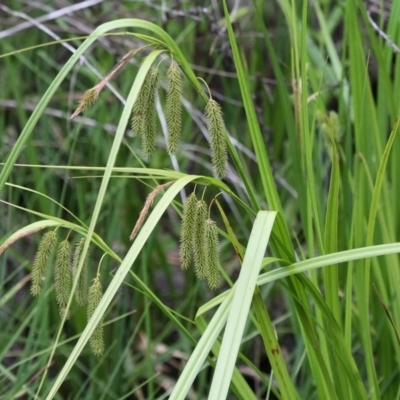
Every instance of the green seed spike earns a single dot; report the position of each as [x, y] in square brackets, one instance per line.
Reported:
[213, 274]
[96, 341]
[138, 111]
[186, 249]
[139, 108]
[46, 247]
[199, 241]
[174, 108]
[149, 117]
[81, 292]
[216, 127]
[63, 275]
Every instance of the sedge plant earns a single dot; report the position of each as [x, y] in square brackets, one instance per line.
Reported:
[316, 245]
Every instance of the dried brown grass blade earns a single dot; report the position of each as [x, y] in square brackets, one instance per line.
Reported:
[92, 94]
[14, 238]
[146, 208]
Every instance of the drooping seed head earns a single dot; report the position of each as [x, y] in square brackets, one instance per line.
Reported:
[216, 127]
[45, 249]
[199, 240]
[63, 276]
[96, 341]
[186, 249]
[213, 274]
[174, 108]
